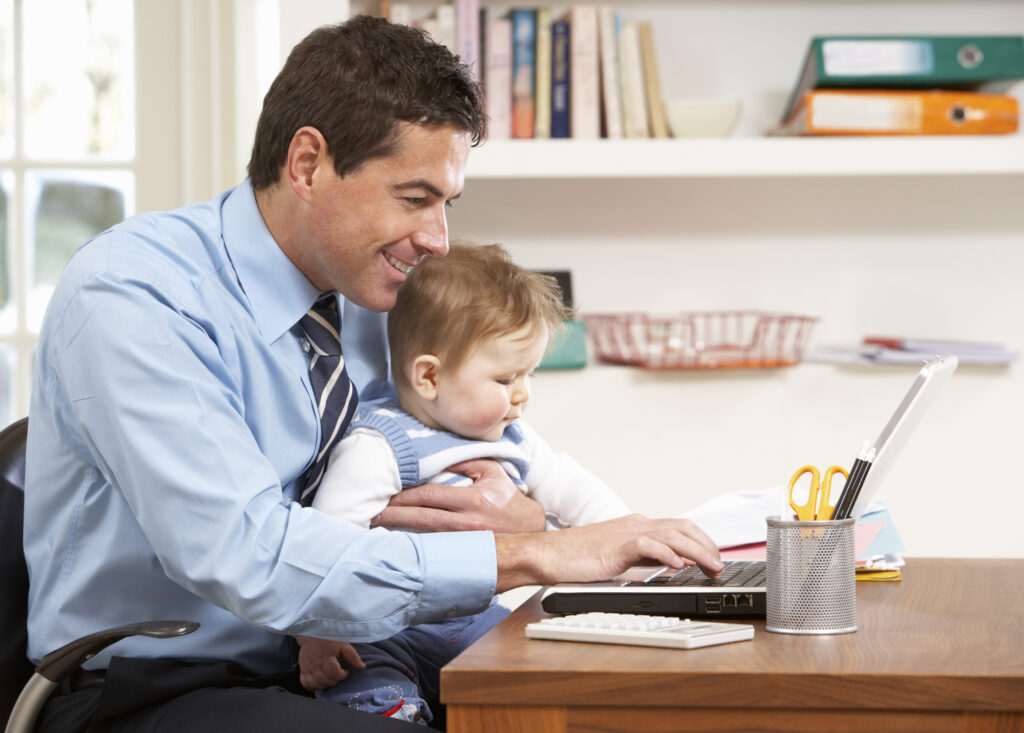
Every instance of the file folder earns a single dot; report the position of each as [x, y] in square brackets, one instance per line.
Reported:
[901, 112]
[866, 62]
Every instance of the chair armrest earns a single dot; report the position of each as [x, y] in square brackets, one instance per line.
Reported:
[59, 664]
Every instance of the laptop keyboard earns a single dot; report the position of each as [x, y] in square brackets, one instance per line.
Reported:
[737, 573]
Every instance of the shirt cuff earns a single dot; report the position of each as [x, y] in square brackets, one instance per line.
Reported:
[460, 573]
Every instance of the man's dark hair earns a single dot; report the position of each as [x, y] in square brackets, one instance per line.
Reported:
[355, 82]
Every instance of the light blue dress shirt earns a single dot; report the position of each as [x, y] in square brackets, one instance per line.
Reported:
[171, 415]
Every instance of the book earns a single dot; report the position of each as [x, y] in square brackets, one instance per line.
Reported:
[883, 355]
[429, 26]
[560, 126]
[937, 346]
[498, 77]
[655, 104]
[894, 350]
[542, 75]
[467, 35]
[901, 112]
[608, 25]
[399, 13]
[634, 93]
[584, 73]
[524, 37]
[445, 16]
[906, 62]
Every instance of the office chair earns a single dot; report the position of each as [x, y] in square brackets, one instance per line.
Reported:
[16, 672]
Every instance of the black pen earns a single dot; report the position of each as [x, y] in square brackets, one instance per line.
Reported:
[848, 497]
[855, 492]
[856, 475]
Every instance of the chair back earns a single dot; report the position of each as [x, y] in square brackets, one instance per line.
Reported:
[15, 669]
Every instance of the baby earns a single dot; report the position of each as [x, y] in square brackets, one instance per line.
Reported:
[466, 334]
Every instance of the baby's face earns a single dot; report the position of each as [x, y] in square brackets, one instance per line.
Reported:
[480, 397]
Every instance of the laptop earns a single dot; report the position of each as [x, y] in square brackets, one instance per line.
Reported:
[740, 591]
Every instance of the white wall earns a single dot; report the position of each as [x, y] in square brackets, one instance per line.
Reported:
[909, 256]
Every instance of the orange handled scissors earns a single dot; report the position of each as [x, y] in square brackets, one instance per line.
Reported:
[817, 506]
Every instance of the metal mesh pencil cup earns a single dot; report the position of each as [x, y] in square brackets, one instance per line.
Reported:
[811, 586]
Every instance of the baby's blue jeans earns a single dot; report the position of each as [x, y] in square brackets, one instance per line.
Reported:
[404, 672]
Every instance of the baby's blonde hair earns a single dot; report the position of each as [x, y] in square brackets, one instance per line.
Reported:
[449, 305]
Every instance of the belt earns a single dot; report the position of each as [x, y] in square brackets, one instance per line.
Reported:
[83, 679]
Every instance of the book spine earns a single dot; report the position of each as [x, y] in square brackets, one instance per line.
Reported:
[560, 61]
[611, 97]
[498, 77]
[430, 27]
[524, 38]
[928, 61]
[634, 96]
[400, 13]
[467, 34]
[542, 75]
[905, 112]
[655, 105]
[584, 73]
[446, 27]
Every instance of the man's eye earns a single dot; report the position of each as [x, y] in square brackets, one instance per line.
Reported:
[413, 201]
[449, 204]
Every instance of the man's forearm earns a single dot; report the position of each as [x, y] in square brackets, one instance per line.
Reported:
[519, 561]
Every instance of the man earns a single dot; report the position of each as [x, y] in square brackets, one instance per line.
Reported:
[175, 424]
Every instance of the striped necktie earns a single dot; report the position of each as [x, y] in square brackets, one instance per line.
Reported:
[336, 396]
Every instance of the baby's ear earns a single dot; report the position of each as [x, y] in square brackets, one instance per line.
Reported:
[425, 369]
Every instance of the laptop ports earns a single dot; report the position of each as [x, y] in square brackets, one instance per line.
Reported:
[737, 600]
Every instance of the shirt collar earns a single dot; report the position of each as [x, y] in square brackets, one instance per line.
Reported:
[278, 293]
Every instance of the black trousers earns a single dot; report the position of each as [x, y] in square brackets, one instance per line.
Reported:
[142, 695]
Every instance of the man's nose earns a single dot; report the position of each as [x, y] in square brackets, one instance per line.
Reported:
[432, 236]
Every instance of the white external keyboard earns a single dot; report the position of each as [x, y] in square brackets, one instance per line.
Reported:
[636, 629]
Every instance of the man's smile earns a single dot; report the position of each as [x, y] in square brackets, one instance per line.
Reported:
[398, 264]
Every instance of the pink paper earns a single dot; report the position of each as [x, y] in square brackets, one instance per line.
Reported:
[864, 535]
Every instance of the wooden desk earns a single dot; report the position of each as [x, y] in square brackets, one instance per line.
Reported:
[943, 650]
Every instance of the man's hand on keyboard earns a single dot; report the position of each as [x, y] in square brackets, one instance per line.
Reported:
[603, 550]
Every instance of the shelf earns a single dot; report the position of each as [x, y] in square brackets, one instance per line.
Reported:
[748, 157]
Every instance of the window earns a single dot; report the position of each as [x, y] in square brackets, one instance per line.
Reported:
[108, 107]
[67, 156]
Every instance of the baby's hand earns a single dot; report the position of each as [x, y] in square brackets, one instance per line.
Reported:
[319, 667]
[493, 502]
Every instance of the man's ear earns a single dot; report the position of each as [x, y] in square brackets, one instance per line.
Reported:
[425, 371]
[306, 152]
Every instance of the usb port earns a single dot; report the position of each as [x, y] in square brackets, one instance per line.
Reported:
[713, 605]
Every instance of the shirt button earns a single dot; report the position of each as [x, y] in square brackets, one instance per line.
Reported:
[305, 346]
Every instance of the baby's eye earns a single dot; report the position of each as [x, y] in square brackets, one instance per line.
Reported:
[505, 381]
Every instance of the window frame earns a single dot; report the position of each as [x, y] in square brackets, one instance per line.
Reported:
[166, 34]
[201, 70]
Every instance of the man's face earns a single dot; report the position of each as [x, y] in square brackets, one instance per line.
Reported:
[366, 230]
